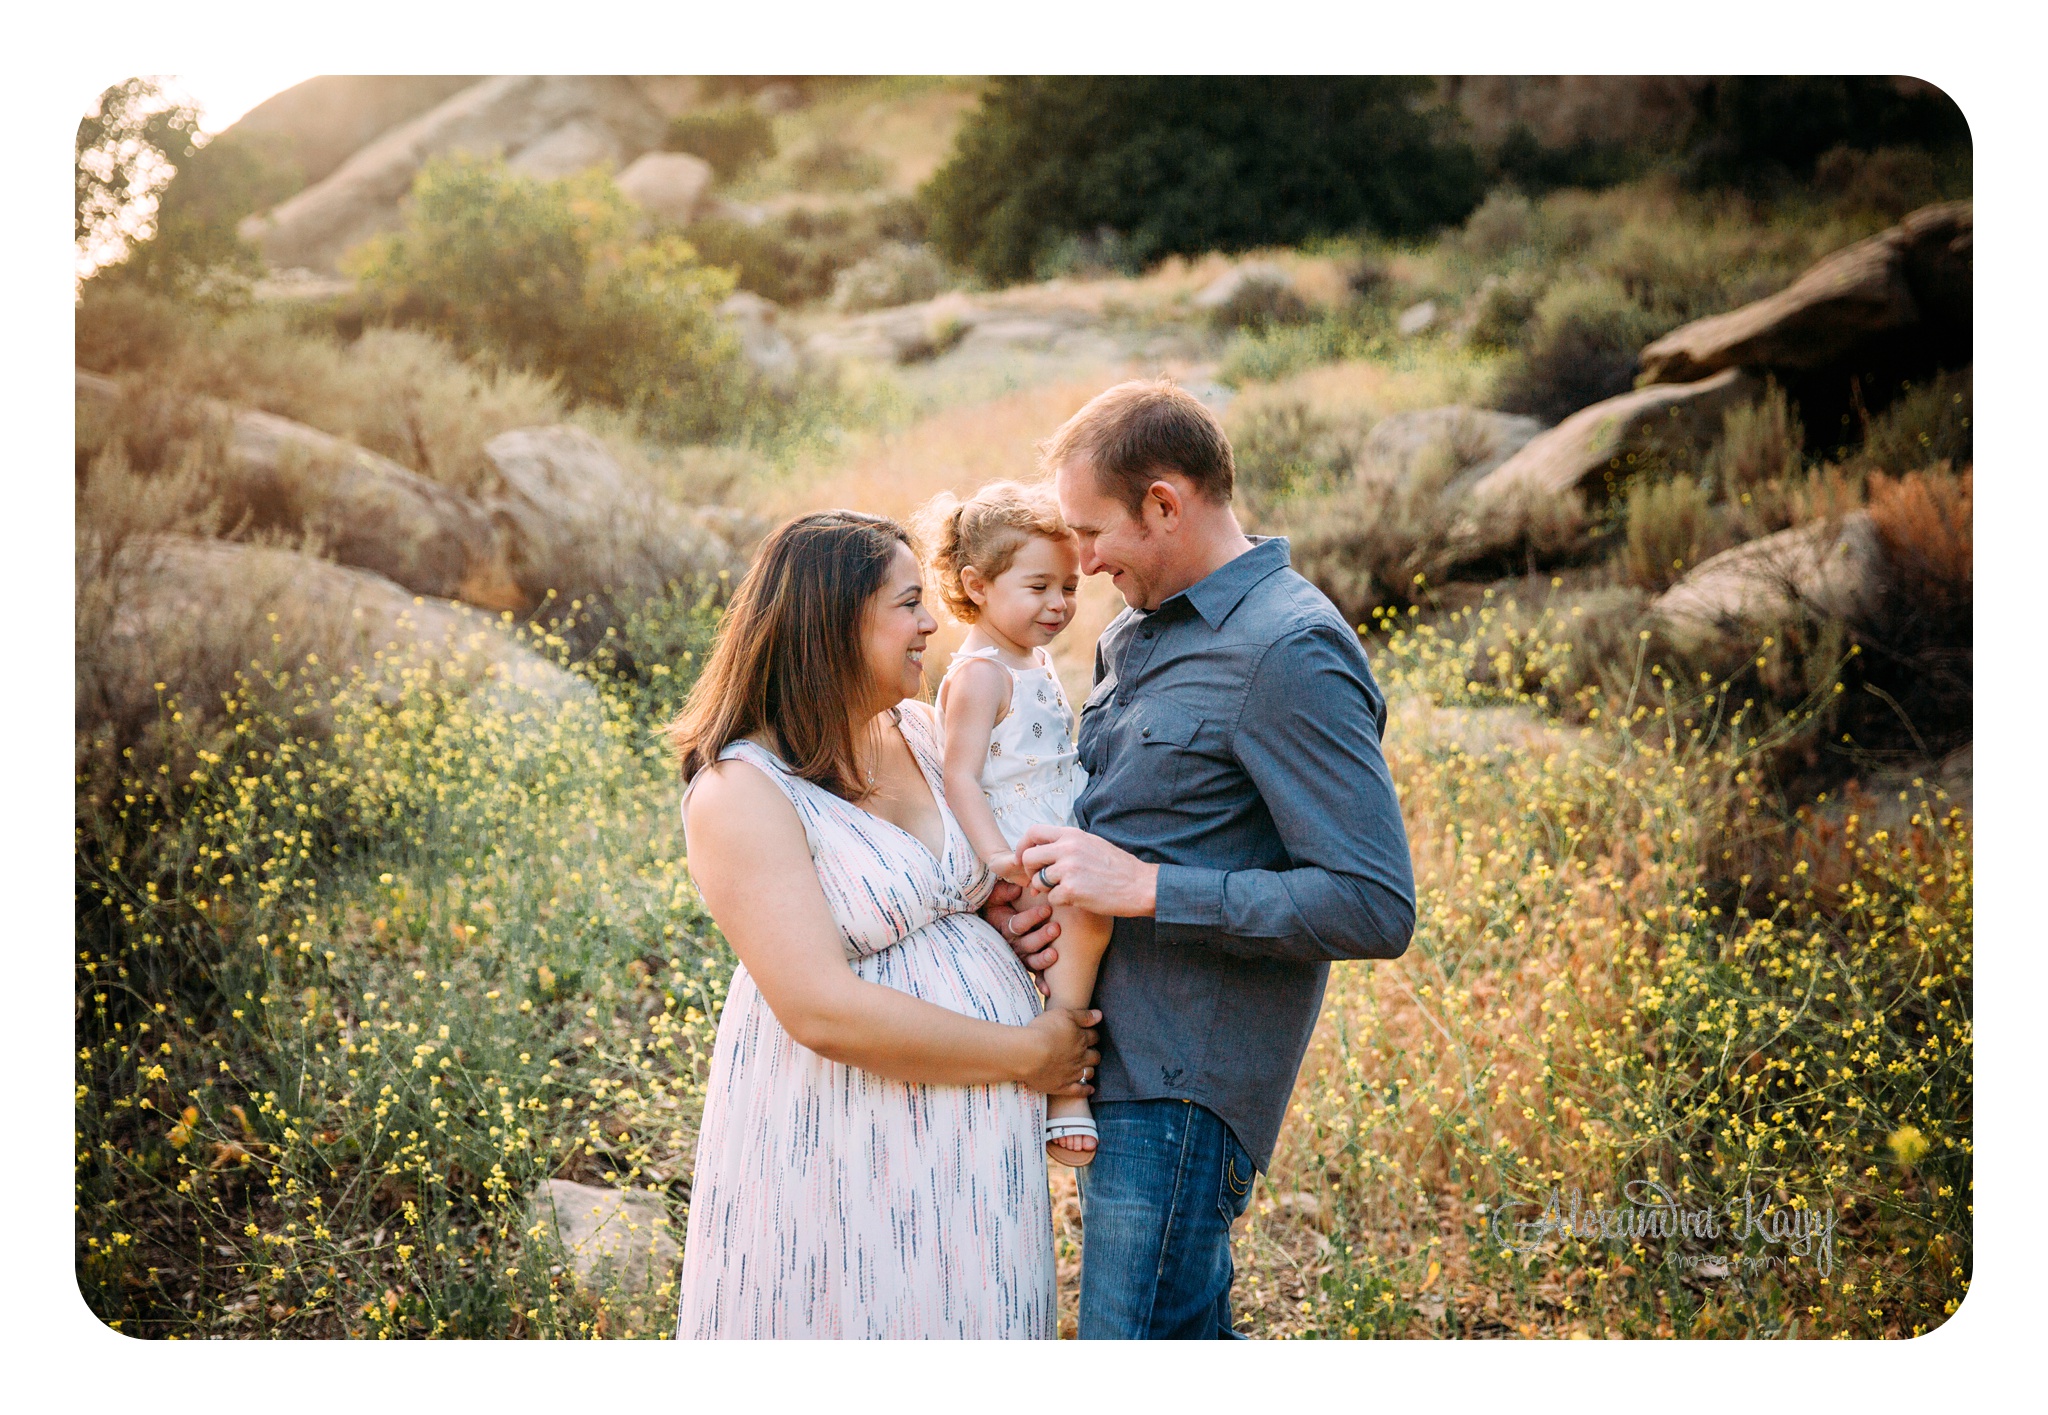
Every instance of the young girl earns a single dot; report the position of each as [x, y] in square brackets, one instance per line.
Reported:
[1008, 567]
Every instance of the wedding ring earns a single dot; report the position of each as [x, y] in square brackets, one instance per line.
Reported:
[1042, 879]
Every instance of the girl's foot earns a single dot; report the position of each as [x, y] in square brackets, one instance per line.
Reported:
[1070, 1131]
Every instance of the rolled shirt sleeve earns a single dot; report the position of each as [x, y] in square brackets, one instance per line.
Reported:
[1308, 736]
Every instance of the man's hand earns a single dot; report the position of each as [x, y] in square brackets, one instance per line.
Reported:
[1029, 931]
[1088, 872]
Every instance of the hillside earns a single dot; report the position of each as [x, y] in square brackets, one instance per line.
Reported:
[1651, 498]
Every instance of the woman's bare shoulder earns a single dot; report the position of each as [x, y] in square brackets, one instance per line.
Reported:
[732, 789]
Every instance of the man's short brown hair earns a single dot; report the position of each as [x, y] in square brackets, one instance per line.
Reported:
[1131, 433]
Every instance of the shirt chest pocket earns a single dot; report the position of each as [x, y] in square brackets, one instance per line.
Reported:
[1163, 735]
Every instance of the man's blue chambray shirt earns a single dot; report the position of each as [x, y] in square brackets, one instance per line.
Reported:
[1233, 738]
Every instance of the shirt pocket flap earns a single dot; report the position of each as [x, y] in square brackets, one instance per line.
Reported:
[1166, 723]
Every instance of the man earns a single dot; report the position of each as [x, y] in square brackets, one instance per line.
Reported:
[1239, 824]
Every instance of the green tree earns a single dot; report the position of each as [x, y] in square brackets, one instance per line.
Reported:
[1175, 164]
[548, 276]
[157, 203]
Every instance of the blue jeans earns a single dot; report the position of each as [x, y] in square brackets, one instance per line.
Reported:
[1156, 1209]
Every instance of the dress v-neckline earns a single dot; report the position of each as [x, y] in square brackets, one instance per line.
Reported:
[947, 824]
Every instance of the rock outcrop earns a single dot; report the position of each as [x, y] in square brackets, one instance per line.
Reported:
[621, 1234]
[670, 185]
[757, 322]
[547, 125]
[574, 522]
[1598, 439]
[1918, 272]
[1831, 569]
[315, 126]
[1463, 443]
[367, 510]
[192, 613]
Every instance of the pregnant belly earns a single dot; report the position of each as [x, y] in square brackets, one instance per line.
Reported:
[958, 962]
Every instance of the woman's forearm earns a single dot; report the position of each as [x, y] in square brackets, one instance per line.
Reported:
[893, 1034]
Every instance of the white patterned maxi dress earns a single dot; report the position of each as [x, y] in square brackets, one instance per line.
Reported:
[832, 1202]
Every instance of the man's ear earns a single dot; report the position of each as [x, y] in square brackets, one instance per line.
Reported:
[1164, 499]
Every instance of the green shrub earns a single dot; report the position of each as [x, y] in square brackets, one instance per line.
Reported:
[1499, 314]
[544, 276]
[1582, 346]
[1176, 164]
[1286, 450]
[826, 164]
[1670, 522]
[1505, 222]
[1760, 442]
[731, 138]
[897, 274]
[1271, 353]
[795, 257]
[1760, 131]
[402, 393]
[1923, 426]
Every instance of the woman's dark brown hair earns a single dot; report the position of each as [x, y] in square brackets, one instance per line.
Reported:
[789, 654]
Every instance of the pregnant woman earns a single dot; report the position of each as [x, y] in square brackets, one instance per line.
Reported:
[871, 1161]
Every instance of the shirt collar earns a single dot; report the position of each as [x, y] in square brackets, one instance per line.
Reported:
[1217, 593]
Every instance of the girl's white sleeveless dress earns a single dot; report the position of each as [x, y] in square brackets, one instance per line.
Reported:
[831, 1202]
[1032, 774]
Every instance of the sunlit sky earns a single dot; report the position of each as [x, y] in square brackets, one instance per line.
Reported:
[224, 95]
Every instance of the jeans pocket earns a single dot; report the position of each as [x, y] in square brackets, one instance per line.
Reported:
[1234, 1182]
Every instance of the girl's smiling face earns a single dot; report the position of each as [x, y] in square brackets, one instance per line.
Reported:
[1032, 600]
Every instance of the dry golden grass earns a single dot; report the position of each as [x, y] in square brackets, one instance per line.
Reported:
[912, 136]
[893, 473]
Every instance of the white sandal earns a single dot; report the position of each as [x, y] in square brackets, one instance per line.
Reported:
[1067, 1125]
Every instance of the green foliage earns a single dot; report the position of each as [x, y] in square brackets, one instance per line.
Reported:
[796, 257]
[1668, 523]
[732, 138]
[1176, 164]
[1757, 130]
[1923, 426]
[123, 154]
[1760, 443]
[546, 276]
[825, 164]
[156, 204]
[1582, 345]
[1286, 449]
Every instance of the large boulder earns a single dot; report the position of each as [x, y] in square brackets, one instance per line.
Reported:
[1598, 439]
[192, 613]
[577, 523]
[280, 476]
[549, 125]
[1830, 569]
[619, 1234]
[670, 185]
[366, 510]
[1918, 272]
[317, 125]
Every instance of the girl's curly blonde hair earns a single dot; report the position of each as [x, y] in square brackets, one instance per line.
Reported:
[985, 531]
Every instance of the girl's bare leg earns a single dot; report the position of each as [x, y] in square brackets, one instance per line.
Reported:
[1071, 981]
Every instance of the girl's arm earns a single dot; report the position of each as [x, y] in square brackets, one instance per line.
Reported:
[971, 704]
[753, 868]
